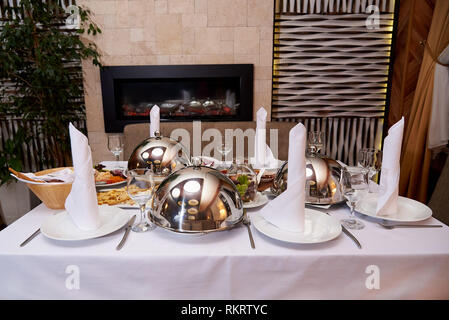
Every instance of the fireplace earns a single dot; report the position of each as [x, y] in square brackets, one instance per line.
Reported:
[183, 93]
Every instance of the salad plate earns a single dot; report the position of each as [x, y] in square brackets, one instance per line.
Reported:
[319, 227]
[61, 226]
[409, 210]
[260, 200]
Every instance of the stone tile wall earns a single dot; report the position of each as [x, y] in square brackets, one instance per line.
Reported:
[170, 32]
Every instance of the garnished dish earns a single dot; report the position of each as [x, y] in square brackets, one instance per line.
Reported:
[246, 186]
[244, 179]
[108, 177]
[266, 180]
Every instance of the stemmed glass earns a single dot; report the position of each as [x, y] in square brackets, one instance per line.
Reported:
[371, 160]
[354, 186]
[224, 149]
[316, 141]
[115, 145]
[140, 187]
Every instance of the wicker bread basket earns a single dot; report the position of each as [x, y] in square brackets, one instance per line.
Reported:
[52, 195]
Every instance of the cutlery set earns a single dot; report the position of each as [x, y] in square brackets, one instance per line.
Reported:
[247, 223]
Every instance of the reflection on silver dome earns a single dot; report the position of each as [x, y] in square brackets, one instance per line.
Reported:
[197, 199]
[322, 180]
[164, 155]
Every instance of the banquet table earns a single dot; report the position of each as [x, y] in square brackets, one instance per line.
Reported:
[393, 264]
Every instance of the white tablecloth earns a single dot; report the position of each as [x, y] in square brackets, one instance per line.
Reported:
[412, 264]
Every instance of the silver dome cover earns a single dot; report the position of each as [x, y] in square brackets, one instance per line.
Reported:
[164, 155]
[322, 180]
[196, 199]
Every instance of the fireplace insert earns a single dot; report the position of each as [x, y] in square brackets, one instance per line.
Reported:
[182, 92]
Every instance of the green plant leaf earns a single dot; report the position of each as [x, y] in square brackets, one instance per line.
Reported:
[49, 92]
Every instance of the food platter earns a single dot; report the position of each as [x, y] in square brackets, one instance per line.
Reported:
[109, 177]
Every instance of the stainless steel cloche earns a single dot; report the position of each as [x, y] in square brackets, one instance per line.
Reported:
[322, 180]
[196, 199]
[164, 155]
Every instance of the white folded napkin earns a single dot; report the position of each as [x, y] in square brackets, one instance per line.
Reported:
[389, 179]
[263, 156]
[287, 211]
[65, 175]
[154, 120]
[81, 203]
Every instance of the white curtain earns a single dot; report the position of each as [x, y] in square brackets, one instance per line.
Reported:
[439, 120]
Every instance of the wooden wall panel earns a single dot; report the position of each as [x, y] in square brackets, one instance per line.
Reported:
[415, 17]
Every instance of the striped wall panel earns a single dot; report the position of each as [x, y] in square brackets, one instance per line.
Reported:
[330, 70]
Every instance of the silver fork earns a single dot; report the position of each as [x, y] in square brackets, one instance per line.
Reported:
[392, 226]
[247, 223]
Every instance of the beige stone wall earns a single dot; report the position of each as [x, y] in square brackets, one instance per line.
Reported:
[171, 32]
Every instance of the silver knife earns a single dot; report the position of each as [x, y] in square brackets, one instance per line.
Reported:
[127, 230]
[349, 234]
[31, 237]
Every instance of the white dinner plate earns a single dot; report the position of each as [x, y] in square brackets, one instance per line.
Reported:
[408, 210]
[259, 200]
[61, 226]
[319, 227]
[110, 184]
[113, 165]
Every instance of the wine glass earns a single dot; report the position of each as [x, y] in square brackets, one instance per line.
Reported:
[115, 145]
[224, 149]
[316, 141]
[354, 186]
[371, 160]
[140, 187]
